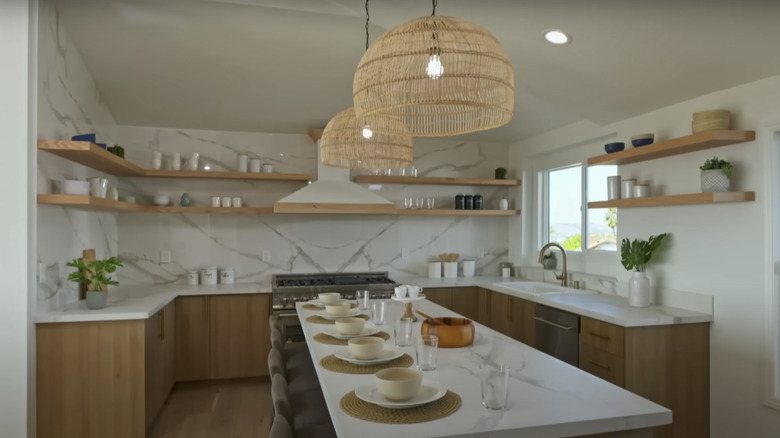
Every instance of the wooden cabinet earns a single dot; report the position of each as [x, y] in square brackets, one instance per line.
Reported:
[439, 295]
[465, 301]
[224, 336]
[103, 378]
[159, 355]
[499, 305]
[666, 364]
[483, 306]
[521, 325]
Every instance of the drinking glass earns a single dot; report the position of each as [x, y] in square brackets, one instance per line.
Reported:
[429, 202]
[419, 202]
[362, 299]
[379, 312]
[494, 379]
[408, 202]
[426, 348]
[403, 332]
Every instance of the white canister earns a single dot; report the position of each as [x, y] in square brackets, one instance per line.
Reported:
[506, 272]
[434, 269]
[641, 191]
[176, 161]
[613, 187]
[209, 275]
[628, 189]
[227, 276]
[192, 163]
[227, 201]
[192, 278]
[243, 162]
[450, 269]
[469, 267]
[215, 201]
[156, 160]
[268, 168]
[237, 201]
[255, 165]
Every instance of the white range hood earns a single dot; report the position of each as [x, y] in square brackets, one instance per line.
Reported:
[332, 192]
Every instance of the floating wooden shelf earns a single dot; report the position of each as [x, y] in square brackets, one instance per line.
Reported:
[92, 203]
[431, 180]
[95, 157]
[676, 146]
[448, 212]
[688, 199]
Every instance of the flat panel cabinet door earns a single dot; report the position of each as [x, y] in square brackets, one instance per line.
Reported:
[240, 338]
[465, 301]
[500, 312]
[169, 349]
[155, 365]
[192, 339]
[521, 321]
[439, 295]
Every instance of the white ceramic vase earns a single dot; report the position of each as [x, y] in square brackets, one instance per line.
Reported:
[451, 270]
[639, 290]
[714, 180]
[96, 299]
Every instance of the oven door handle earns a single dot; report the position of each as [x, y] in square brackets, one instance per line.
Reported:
[287, 315]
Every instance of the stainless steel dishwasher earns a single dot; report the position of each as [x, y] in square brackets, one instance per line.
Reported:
[557, 334]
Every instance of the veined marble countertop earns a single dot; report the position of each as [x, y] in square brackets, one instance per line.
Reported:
[141, 302]
[613, 309]
[547, 397]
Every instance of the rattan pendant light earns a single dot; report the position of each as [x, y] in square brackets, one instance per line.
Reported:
[373, 142]
[441, 75]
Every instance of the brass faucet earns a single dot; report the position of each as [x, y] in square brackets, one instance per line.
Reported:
[564, 276]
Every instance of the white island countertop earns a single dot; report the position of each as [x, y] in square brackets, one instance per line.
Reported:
[141, 302]
[547, 397]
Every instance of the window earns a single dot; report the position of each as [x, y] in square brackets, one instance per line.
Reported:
[565, 218]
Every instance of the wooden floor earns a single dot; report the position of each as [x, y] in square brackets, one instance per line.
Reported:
[216, 409]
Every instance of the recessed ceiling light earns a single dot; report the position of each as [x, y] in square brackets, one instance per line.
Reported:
[557, 37]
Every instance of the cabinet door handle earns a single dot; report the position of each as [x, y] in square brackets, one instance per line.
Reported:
[562, 327]
[162, 324]
[605, 367]
[599, 335]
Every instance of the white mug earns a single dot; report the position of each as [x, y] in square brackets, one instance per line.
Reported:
[413, 291]
[268, 168]
[400, 291]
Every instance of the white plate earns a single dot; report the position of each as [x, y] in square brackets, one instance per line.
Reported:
[429, 392]
[367, 331]
[406, 299]
[350, 314]
[321, 305]
[384, 357]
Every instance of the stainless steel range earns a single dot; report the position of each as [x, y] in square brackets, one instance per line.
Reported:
[287, 289]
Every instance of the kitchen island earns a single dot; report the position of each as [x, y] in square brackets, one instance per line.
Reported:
[547, 397]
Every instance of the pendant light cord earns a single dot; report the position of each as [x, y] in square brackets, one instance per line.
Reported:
[435, 2]
[367, 18]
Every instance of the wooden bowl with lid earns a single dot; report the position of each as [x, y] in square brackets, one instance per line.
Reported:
[452, 332]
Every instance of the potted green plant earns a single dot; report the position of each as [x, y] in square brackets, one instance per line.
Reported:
[716, 175]
[550, 261]
[636, 254]
[94, 274]
[500, 173]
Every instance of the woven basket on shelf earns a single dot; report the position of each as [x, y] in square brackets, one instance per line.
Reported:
[475, 91]
[711, 120]
[343, 145]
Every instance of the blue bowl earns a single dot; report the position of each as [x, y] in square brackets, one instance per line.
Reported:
[85, 137]
[614, 147]
[641, 142]
[102, 145]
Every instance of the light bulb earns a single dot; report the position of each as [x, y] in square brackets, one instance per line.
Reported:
[435, 68]
[367, 132]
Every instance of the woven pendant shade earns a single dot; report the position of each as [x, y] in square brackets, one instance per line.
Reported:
[343, 145]
[475, 92]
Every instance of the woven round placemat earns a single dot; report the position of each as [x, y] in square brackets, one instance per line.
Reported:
[325, 338]
[337, 365]
[441, 408]
[313, 307]
[320, 320]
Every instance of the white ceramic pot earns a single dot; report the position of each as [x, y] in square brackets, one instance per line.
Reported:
[450, 269]
[714, 180]
[96, 299]
[468, 268]
[639, 290]
[434, 269]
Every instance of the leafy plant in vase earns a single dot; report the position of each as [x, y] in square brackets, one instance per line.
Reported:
[94, 274]
[716, 175]
[636, 255]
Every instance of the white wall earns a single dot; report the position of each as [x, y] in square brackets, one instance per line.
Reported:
[16, 333]
[718, 250]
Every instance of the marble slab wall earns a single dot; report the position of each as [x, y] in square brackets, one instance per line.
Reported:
[69, 103]
[298, 243]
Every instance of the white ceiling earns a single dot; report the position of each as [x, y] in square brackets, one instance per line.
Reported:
[284, 66]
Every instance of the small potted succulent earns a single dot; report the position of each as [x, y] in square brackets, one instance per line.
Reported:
[716, 175]
[636, 255]
[500, 173]
[550, 261]
[94, 274]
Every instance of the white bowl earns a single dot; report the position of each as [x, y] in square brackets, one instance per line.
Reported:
[398, 384]
[350, 326]
[367, 347]
[337, 309]
[162, 200]
[75, 187]
[330, 297]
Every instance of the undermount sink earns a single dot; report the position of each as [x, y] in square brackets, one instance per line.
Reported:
[539, 288]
